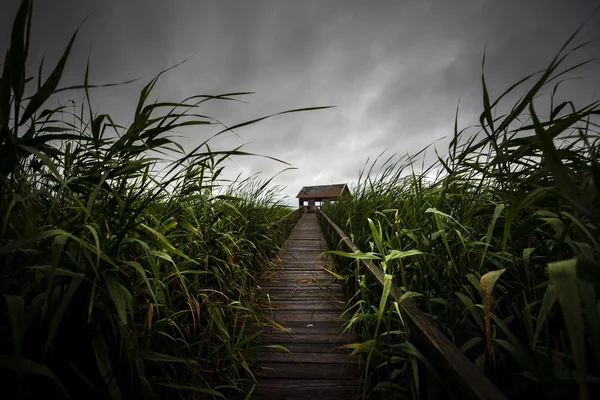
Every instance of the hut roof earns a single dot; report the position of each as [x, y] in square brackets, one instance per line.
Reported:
[319, 191]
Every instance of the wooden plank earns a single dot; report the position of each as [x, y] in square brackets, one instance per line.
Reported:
[303, 268]
[299, 275]
[315, 328]
[299, 295]
[302, 306]
[307, 301]
[306, 263]
[281, 281]
[304, 289]
[297, 279]
[325, 290]
[326, 393]
[309, 265]
[333, 325]
[298, 348]
[301, 283]
[303, 264]
[307, 245]
[300, 271]
[297, 251]
[283, 285]
[306, 358]
[321, 267]
[319, 270]
[307, 254]
[304, 337]
[305, 297]
[302, 315]
[338, 372]
[302, 259]
[319, 304]
[306, 389]
[296, 282]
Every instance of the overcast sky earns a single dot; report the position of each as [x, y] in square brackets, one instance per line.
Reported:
[394, 70]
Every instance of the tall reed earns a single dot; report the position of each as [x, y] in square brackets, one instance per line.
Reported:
[505, 230]
[128, 265]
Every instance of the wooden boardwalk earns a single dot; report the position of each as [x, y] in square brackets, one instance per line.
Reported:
[306, 300]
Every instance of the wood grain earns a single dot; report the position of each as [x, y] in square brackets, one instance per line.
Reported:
[306, 301]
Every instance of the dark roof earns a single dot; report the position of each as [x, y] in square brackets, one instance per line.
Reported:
[322, 191]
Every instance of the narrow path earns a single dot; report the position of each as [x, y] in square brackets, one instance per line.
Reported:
[306, 300]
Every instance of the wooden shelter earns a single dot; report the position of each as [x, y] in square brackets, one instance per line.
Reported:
[312, 197]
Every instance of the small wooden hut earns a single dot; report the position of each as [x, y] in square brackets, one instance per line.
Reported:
[312, 197]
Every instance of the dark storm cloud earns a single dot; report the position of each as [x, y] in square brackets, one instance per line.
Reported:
[395, 70]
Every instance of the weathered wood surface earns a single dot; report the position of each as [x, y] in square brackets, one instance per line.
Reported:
[308, 303]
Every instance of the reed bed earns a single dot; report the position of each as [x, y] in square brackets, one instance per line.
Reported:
[497, 241]
[128, 265]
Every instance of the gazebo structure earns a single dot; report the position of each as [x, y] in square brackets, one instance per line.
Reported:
[312, 197]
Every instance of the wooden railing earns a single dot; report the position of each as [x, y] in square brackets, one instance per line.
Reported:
[461, 374]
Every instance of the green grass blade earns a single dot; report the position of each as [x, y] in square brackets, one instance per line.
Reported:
[563, 275]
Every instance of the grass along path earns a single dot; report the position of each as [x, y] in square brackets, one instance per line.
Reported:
[500, 247]
[119, 282]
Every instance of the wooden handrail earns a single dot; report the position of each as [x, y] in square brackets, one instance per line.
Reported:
[470, 380]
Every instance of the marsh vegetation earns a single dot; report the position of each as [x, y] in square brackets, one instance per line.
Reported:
[129, 265]
[497, 241]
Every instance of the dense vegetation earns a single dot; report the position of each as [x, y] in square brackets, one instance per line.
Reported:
[127, 265]
[498, 242]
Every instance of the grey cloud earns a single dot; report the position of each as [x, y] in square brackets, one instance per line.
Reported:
[395, 70]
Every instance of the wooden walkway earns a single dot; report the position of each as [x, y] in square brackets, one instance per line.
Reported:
[306, 300]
